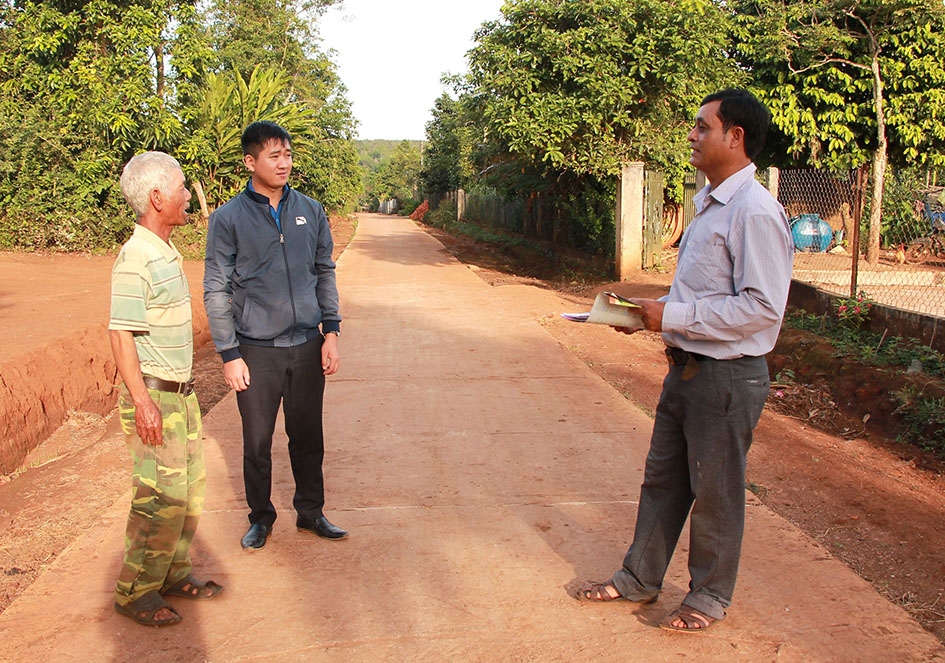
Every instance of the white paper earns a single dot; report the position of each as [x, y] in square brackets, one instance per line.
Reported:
[610, 309]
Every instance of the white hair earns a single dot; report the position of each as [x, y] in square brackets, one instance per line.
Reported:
[143, 174]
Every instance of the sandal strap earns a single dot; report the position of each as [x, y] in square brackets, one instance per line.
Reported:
[149, 602]
[598, 592]
[693, 620]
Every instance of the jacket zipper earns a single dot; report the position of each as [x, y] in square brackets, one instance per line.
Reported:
[288, 278]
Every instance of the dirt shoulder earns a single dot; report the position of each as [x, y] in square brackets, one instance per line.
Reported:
[873, 504]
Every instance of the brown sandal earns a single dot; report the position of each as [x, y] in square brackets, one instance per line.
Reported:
[191, 588]
[598, 592]
[693, 620]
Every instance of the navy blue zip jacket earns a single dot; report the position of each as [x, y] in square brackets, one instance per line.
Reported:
[266, 286]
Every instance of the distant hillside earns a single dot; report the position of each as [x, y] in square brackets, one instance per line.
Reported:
[371, 153]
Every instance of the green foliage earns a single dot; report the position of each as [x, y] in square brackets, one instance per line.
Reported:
[372, 153]
[585, 86]
[80, 93]
[906, 352]
[559, 95]
[396, 177]
[379, 162]
[812, 63]
[849, 81]
[191, 240]
[443, 216]
[83, 87]
[212, 149]
[922, 418]
[487, 206]
[277, 35]
[902, 222]
[922, 421]
[591, 209]
[408, 206]
[447, 158]
[869, 347]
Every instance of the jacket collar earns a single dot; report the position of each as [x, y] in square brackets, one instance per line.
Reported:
[261, 199]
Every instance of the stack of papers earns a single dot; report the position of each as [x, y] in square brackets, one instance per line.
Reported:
[610, 309]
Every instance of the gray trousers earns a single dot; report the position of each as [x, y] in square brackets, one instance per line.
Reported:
[700, 440]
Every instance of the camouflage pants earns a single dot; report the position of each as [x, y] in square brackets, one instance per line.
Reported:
[168, 484]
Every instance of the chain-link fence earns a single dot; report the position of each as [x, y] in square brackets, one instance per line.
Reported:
[829, 218]
[829, 215]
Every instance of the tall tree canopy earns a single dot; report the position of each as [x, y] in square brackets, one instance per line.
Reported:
[447, 156]
[849, 81]
[85, 85]
[584, 86]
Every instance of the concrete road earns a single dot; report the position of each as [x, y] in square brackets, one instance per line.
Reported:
[483, 472]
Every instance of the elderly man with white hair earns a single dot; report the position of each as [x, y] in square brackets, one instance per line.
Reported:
[151, 334]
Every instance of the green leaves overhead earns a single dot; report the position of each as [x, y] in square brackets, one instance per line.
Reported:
[812, 62]
[849, 81]
[584, 86]
[86, 85]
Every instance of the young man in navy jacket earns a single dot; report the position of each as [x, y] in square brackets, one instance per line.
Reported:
[272, 304]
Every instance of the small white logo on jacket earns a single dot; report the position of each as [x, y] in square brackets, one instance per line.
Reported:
[300, 221]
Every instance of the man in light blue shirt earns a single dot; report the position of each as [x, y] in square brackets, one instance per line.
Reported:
[722, 315]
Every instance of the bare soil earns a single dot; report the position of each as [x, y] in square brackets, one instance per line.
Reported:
[877, 505]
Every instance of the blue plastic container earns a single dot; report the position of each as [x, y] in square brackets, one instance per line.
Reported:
[811, 233]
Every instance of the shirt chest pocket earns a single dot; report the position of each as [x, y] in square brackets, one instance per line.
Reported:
[710, 262]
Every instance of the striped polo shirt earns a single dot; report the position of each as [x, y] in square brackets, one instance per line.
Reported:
[151, 298]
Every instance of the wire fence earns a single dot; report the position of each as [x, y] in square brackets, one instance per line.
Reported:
[829, 216]
[829, 222]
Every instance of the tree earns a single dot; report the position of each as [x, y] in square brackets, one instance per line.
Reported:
[447, 155]
[82, 87]
[213, 146]
[850, 81]
[585, 86]
[85, 85]
[399, 177]
[281, 36]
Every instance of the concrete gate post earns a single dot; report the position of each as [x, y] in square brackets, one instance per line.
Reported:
[629, 222]
[460, 204]
[774, 180]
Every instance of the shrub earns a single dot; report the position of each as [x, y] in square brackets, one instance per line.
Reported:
[923, 421]
[852, 313]
[444, 216]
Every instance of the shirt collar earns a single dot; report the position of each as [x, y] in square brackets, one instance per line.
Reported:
[727, 188]
[168, 250]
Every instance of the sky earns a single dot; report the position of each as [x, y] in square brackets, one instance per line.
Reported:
[391, 55]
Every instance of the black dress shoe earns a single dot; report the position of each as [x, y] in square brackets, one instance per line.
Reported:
[256, 537]
[321, 527]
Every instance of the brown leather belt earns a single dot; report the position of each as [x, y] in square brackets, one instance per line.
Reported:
[182, 388]
[680, 357]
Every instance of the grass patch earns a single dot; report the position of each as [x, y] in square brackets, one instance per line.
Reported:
[922, 416]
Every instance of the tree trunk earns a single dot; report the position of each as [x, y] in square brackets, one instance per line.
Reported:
[202, 200]
[159, 71]
[879, 165]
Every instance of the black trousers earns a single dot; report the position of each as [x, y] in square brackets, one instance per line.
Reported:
[292, 376]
